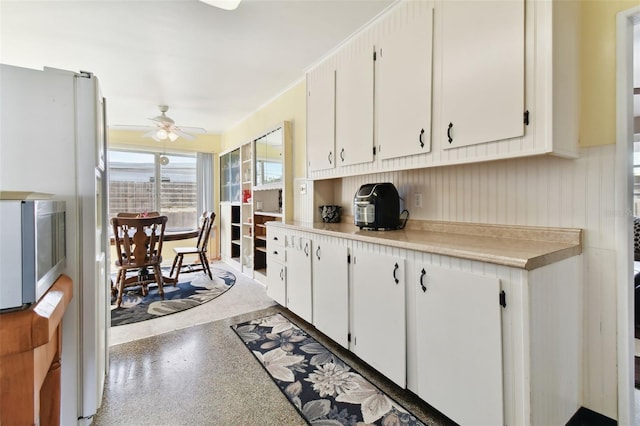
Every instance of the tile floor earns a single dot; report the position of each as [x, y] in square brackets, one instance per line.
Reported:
[191, 368]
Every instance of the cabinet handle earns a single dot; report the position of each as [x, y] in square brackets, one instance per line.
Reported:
[306, 249]
[342, 154]
[449, 132]
[420, 138]
[318, 252]
[330, 157]
[281, 274]
[422, 274]
[395, 268]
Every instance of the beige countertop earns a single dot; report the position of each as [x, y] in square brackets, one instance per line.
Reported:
[516, 246]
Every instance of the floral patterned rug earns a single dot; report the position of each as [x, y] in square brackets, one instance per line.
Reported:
[323, 388]
[193, 289]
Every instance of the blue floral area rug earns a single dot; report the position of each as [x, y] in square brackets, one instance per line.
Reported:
[193, 289]
[324, 389]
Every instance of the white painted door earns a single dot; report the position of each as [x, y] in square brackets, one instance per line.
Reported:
[459, 343]
[379, 313]
[482, 71]
[403, 82]
[299, 278]
[331, 291]
[320, 117]
[354, 105]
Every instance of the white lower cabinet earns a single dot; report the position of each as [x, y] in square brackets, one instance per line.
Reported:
[330, 276]
[458, 336]
[276, 273]
[448, 334]
[378, 315]
[299, 277]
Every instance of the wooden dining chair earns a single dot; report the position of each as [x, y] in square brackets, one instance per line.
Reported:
[138, 243]
[138, 215]
[200, 249]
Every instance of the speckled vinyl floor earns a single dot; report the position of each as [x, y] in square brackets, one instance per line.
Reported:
[204, 375]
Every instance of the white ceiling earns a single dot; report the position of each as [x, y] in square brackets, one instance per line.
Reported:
[211, 66]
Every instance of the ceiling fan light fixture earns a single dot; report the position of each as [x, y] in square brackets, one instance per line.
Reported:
[223, 4]
[162, 134]
[173, 136]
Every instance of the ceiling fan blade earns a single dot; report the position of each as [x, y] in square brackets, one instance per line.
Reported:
[153, 134]
[182, 134]
[124, 127]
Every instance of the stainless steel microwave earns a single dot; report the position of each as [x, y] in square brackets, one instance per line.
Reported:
[32, 250]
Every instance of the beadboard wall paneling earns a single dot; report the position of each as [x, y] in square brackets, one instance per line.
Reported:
[533, 191]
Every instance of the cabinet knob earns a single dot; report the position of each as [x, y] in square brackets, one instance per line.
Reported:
[395, 268]
[422, 274]
[420, 138]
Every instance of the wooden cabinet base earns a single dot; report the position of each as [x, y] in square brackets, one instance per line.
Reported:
[30, 363]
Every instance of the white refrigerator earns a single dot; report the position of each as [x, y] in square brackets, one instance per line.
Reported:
[53, 140]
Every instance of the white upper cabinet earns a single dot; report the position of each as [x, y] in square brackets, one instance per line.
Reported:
[354, 103]
[483, 77]
[403, 81]
[320, 117]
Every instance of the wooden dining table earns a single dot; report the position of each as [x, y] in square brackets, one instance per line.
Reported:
[168, 236]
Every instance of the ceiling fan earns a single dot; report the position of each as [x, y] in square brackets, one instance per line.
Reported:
[166, 128]
[223, 4]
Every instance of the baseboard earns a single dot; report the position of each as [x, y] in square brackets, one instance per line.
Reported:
[586, 417]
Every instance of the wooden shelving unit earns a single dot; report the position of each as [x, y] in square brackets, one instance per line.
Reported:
[255, 180]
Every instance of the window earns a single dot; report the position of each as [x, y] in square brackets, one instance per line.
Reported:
[138, 182]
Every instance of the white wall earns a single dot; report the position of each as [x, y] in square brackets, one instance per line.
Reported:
[536, 191]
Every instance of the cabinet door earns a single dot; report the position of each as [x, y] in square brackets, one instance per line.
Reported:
[331, 291]
[299, 278]
[379, 313]
[276, 271]
[354, 105]
[321, 117]
[277, 282]
[403, 82]
[459, 344]
[482, 71]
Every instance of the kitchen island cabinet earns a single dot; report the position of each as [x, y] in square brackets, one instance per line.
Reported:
[511, 337]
